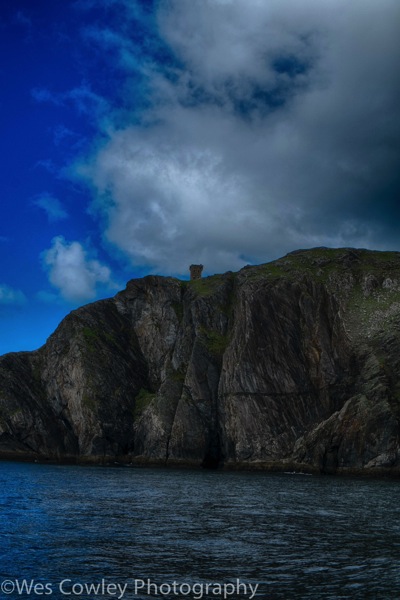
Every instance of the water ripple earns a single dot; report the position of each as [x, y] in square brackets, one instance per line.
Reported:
[298, 537]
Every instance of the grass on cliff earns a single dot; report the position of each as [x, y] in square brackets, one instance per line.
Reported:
[214, 341]
[206, 286]
[267, 270]
[142, 401]
[318, 263]
[327, 265]
[379, 311]
[94, 338]
[178, 376]
[178, 309]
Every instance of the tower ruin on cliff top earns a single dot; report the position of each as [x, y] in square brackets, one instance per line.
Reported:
[195, 271]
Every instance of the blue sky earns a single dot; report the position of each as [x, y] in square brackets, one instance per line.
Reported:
[141, 136]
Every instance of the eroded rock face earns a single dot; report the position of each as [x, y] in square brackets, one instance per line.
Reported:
[292, 364]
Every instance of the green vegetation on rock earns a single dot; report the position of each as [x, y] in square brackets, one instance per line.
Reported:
[88, 402]
[215, 342]
[206, 286]
[268, 270]
[94, 337]
[142, 401]
[178, 309]
[178, 376]
[91, 338]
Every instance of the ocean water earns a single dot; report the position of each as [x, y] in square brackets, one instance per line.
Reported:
[155, 533]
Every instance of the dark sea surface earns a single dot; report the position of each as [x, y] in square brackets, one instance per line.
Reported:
[296, 536]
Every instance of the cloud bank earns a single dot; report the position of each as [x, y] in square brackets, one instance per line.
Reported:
[269, 126]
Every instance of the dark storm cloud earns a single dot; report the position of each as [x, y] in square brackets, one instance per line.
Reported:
[275, 126]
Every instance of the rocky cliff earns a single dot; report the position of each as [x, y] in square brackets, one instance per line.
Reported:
[289, 365]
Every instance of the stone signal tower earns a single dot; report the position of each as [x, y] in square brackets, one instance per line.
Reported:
[195, 271]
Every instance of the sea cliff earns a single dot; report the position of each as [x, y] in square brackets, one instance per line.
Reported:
[289, 365]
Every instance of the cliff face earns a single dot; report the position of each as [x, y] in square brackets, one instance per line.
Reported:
[292, 364]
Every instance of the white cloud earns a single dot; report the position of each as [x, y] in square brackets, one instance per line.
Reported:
[11, 296]
[52, 207]
[277, 128]
[72, 272]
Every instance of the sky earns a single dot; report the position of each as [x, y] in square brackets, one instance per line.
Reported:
[140, 136]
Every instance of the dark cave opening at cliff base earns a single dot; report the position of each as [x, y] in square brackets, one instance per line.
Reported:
[211, 462]
[213, 458]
